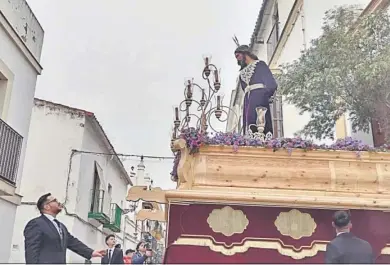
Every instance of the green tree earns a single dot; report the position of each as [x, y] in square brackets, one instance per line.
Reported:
[346, 69]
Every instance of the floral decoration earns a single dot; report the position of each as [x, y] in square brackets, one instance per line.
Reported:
[195, 139]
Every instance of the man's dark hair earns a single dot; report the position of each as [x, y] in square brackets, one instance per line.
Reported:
[108, 237]
[129, 251]
[341, 219]
[41, 201]
[138, 245]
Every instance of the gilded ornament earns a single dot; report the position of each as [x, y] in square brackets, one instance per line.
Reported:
[295, 224]
[257, 243]
[227, 221]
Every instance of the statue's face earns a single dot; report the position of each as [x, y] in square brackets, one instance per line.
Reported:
[240, 59]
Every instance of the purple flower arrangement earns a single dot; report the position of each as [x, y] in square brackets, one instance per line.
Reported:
[194, 139]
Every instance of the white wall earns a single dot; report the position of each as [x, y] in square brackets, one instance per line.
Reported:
[292, 120]
[7, 213]
[53, 134]
[22, 93]
[18, 99]
[56, 130]
[81, 204]
[24, 22]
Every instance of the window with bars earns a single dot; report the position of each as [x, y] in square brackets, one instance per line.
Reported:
[10, 149]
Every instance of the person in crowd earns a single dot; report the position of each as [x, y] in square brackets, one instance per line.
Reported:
[118, 246]
[141, 254]
[46, 239]
[347, 248]
[114, 254]
[128, 255]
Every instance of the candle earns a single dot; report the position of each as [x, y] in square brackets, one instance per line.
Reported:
[207, 59]
[218, 102]
[177, 114]
[216, 77]
[203, 94]
[189, 90]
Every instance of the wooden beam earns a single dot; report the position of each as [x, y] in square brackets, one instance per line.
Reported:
[151, 215]
[136, 193]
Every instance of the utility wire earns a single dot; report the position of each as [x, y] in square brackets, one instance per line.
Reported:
[124, 155]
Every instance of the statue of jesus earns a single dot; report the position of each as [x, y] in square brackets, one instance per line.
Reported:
[259, 86]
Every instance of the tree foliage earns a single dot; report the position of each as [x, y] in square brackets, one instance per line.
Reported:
[346, 69]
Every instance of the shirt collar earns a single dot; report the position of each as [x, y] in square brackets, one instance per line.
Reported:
[341, 233]
[50, 217]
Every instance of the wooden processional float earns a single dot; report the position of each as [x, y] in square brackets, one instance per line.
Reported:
[260, 205]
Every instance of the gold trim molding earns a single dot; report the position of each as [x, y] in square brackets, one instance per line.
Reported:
[295, 224]
[227, 221]
[386, 250]
[259, 243]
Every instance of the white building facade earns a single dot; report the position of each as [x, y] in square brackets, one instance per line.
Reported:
[67, 156]
[21, 40]
[284, 29]
[148, 229]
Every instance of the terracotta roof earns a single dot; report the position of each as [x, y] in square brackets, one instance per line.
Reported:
[97, 123]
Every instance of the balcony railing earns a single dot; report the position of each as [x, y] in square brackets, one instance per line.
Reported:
[10, 148]
[115, 218]
[98, 211]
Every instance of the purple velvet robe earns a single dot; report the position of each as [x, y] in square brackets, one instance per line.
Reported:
[257, 74]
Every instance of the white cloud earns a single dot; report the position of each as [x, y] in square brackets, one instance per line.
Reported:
[126, 61]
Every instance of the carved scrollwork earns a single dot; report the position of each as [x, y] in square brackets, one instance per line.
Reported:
[185, 164]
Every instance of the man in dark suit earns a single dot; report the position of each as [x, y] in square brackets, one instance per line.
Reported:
[347, 248]
[114, 255]
[47, 239]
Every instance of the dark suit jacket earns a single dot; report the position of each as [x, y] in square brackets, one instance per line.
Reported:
[43, 244]
[348, 249]
[117, 257]
[138, 258]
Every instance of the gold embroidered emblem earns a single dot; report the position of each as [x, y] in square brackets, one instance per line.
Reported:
[295, 224]
[227, 221]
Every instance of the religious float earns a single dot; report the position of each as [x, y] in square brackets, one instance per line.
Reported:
[249, 198]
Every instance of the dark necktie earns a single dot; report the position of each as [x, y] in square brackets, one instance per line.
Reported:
[59, 227]
[109, 256]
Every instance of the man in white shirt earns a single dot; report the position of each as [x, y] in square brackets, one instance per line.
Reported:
[46, 239]
[114, 255]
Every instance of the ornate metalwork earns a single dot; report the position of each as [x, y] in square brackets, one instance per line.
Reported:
[198, 112]
[259, 127]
